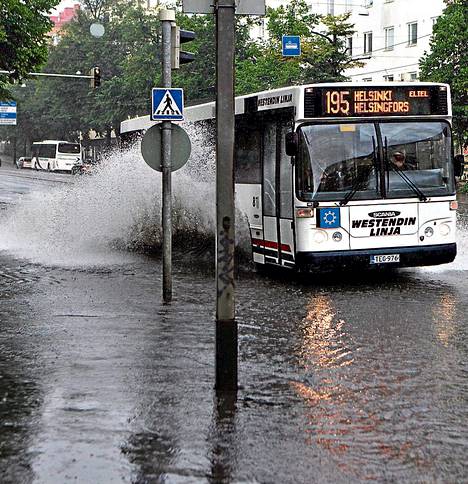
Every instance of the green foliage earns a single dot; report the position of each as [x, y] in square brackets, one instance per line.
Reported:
[324, 55]
[129, 57]
[23, 43]
[448, 61]
[198, 79]
[463, 188]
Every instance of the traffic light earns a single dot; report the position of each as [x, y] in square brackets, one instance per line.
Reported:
[180, 37]
[95, 74]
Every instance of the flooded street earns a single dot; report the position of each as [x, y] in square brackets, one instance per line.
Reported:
[343, 378]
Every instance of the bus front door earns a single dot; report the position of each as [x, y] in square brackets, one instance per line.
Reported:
[277, 197]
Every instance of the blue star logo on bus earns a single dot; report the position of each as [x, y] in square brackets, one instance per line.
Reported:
[329, 218]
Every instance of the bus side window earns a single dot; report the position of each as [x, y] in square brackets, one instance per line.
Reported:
[247, 155]
[269, 169]
[51, 151]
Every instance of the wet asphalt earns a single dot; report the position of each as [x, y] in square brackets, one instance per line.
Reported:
[343, 378]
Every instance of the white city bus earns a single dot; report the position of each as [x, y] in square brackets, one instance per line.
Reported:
[336, 175]
[54, 155]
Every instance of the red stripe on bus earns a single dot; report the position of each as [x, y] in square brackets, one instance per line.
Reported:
[271, 245]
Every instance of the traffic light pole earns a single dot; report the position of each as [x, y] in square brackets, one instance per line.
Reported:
[226, 325]
[166, 17]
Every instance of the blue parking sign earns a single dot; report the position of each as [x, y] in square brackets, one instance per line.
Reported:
[291, 45]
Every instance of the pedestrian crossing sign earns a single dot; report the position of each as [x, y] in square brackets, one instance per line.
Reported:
[167, 104]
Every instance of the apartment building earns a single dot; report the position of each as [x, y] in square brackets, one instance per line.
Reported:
[391, 35]
[60, 19]
[392, 38]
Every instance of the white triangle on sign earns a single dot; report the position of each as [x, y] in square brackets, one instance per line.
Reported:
[167, 106]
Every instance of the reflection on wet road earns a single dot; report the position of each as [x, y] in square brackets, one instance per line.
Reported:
[353, 379]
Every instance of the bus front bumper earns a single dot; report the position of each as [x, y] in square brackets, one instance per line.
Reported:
[409, 257]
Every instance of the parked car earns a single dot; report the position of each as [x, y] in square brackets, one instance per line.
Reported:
[23, 162]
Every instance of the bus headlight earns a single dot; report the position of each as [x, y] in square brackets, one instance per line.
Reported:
[444, 229]
[337, 236]
[320, 236]
[429, 232]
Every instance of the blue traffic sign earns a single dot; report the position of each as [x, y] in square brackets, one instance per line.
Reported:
[291, 45]
[7, 112]
[167, 104]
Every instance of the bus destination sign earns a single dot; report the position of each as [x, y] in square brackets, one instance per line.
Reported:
[376, 101]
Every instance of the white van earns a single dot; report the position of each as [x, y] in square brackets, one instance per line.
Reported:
[53, 155]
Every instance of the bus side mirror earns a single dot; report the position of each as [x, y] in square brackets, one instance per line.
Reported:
[292, 141]
[458, 165]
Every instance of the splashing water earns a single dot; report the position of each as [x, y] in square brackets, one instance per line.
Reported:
[86, 221]
[101, 219]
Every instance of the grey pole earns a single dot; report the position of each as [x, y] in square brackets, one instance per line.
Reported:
[226, 325]
[166, 17]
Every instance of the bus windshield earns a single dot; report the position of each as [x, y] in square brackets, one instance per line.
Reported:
[336, 160]
[419, 154]
[73, 148]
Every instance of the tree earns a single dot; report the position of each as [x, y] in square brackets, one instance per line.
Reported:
[96, 7]
[23, 42]
[324, 56]
[129, 57]
[447, 61]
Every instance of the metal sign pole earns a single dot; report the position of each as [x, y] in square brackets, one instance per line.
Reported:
[226, 325]
[166, 17]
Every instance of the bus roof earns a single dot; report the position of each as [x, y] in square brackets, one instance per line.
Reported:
[53, 141]
[291, 96]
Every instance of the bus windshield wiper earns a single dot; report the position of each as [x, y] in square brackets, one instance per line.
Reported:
[422, 197]
[360, 180]
[357, 185]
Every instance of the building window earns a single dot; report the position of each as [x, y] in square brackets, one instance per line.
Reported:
[413, 33]
[367, 79]
[348, 7]
[331, 7]
[434, 20]
[261, 28]
[413, 76]
[389, 38]
[367, 42]
[390, 77]
[368, 3]
[350, 46]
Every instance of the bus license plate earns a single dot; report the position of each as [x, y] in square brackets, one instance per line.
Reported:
[384, 259]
